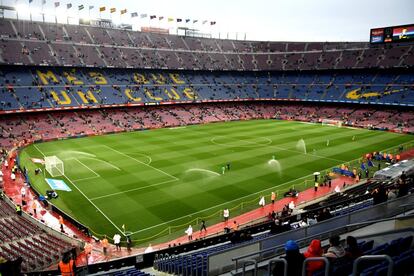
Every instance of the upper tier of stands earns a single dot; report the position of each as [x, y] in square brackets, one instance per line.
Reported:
[29, 88]
[38, 43]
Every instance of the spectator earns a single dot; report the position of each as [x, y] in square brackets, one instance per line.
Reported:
[149, 249]
[128, 242]
[117, 241]
[335, 249]
[314, 250]
[18, 209]
[105, 244]
[189, 233]
[391, 194]
[67, 265]
[226, 214]
[352, 250]
[293, 258]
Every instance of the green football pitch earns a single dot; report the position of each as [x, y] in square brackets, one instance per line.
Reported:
[156, 182]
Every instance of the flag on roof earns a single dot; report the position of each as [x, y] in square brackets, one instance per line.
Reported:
[187, 20]
[30, 1]
[170, 19]
[68, 6]
[57, 4]
[160, 17]
[153, 16]
[112, 10]
[144, 15]
[179, 20]
[81, 7]
[43, 2]
[213, 23]
[124, 11]
[195, 21]
[101, 9]
[205, 21]
[91, 7]
[134, 14]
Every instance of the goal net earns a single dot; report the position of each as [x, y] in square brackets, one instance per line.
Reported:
[54, 166]
[329, 122]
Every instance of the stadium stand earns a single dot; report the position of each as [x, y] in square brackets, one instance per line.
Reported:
[350, 200]
[22, 238]
[54, 44]
[109, 77]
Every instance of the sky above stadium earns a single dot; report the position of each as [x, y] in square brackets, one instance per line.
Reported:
[277, 20]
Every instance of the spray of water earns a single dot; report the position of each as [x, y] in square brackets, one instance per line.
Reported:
[203, 171]
[301, 146]
[275, 165]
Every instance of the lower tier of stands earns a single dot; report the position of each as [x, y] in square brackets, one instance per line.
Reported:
[45, 126]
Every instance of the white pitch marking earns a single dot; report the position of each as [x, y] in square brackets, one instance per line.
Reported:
[86, 178]
[126, 155]
[135, 189]
[100, 160]
[96, 174]
[93, 204]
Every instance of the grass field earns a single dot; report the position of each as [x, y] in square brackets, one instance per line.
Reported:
[159, 181]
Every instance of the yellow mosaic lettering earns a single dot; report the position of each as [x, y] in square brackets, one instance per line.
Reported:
[99, 78]
[71, 77]
[65, 100]
[140, 79]
[159, 79]
[128, 93]
[87, 97]
[45, 77]
[176, 79]
[172, 94]
[190, 93]
[151, 96]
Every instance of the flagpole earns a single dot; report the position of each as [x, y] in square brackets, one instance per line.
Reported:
[43, 13]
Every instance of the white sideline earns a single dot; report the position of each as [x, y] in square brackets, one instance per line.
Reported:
[145, 164]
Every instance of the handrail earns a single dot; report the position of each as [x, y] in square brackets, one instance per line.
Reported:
[314, 259]
[269, 266]
[374, 258]
[235, 259]
[249, 262]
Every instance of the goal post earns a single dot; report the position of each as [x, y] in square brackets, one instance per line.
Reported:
[329, 122]
[54, 166]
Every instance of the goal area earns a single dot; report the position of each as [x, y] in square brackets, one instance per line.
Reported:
[54, 166]
[329, 122]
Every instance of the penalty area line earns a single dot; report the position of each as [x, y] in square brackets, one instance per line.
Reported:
[96, 174]
[138, 161]
[94, 205]
[135, 189]
[82, 193]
